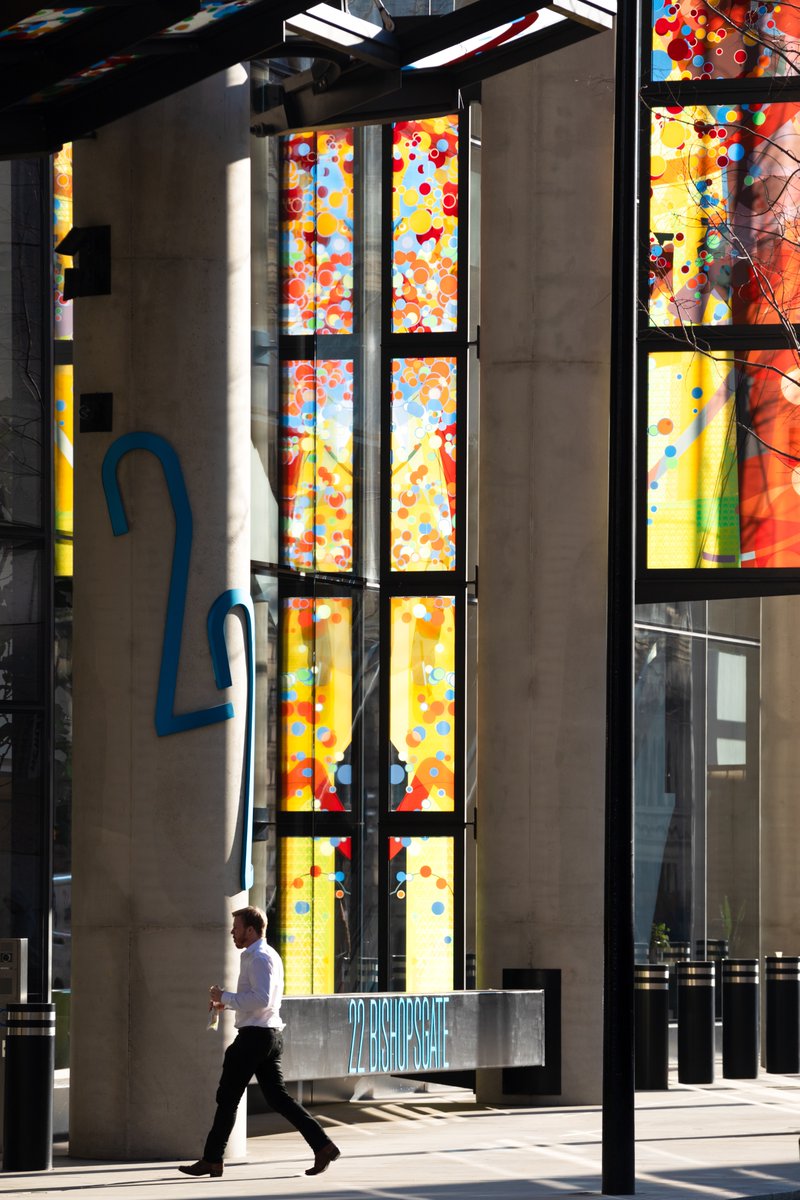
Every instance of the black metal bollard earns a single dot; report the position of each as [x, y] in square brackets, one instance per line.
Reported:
[651, 1026]
[740, 1018]
[783, 1015]
[28, 1094]
[696, 1022]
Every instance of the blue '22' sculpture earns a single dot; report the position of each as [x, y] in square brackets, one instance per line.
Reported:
[166, 720]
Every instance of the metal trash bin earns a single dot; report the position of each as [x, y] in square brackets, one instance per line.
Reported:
[783, 1014]
[30, 1033]
[740, 1018]
[651, 1026]
[696, 1021]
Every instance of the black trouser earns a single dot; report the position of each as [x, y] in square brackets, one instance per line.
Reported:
[256, 1052]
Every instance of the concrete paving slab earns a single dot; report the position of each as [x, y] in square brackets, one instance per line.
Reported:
[734, 1139]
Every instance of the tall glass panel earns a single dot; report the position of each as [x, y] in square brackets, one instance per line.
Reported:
[733, 798]
[422, 704]
[315, 895]
[317, 233]
[425, 226]
[317, 464]
[317, 703]
[423, 463]
[421, 913]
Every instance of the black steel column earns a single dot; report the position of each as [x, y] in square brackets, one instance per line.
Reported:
[619, 1159]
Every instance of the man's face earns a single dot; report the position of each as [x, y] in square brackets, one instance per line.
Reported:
[240, 934]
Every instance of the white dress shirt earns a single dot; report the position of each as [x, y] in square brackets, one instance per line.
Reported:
[259, 992]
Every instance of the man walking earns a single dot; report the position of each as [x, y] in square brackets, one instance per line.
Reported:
[257, 1049]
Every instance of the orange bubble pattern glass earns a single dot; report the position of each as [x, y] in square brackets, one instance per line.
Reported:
[725, 215]
[422, 909]
[317, 461]
[425, 226]
[422, 704]
[316, 702]
[423, 458]
[724, 39]
[317, 232]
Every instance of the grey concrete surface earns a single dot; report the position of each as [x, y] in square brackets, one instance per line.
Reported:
[732, 1139]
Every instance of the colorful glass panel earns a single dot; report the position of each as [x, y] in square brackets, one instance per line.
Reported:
[63, 467]
[211, 10]
[62, 223]
[425, 226]
[423, 458]
[46, 20]
[725, 215]
[317, 232]
[724, 460]
[422, 704]
[724, 39]
[316, 704]
[317, 457]
[421, 913]
[314, 898]
[63, 391]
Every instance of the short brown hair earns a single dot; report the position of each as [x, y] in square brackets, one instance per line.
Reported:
[252, 917]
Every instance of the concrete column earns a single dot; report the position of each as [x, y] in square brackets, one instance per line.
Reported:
[780, 770]
[545, 324]
[157, 820]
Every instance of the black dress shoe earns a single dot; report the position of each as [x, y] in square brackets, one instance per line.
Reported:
[323, 1158]
[201, 1167]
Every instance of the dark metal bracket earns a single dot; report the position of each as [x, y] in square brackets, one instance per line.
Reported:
[92, 244]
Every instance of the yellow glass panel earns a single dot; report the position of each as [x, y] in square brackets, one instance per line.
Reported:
[317, 701]
[692, 479]
[422, 703]
[308, 895]
[422, 899]
[63, 467]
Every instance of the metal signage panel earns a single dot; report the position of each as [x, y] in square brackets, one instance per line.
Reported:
[379, 1033]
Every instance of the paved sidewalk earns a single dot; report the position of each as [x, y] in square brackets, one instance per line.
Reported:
[732, 1139]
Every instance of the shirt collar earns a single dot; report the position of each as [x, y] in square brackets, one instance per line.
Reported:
[255, 946]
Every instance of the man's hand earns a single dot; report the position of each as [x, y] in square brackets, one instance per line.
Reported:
[216, 995]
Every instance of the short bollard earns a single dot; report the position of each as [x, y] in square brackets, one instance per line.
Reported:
[783, 1015]
[30, 1034]
[696, 1022]
[651, 1025]
[740, 1018]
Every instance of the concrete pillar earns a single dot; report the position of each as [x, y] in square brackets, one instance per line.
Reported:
[780, 770]
[157, 820]
[545, 325]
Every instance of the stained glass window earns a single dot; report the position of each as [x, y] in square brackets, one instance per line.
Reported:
[316, 703]
[46, 20]
[317, 465]
[725, 215]
[317, 233]
[63, 391]
[422, 704]
[724, 460]
[421, 913]
[315, 889]
[210, 10]
[423, 465]
[724, 39]
[425, 226]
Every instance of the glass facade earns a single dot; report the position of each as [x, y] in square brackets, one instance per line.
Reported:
[25, 563]
[360, 552]
[697, 780]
